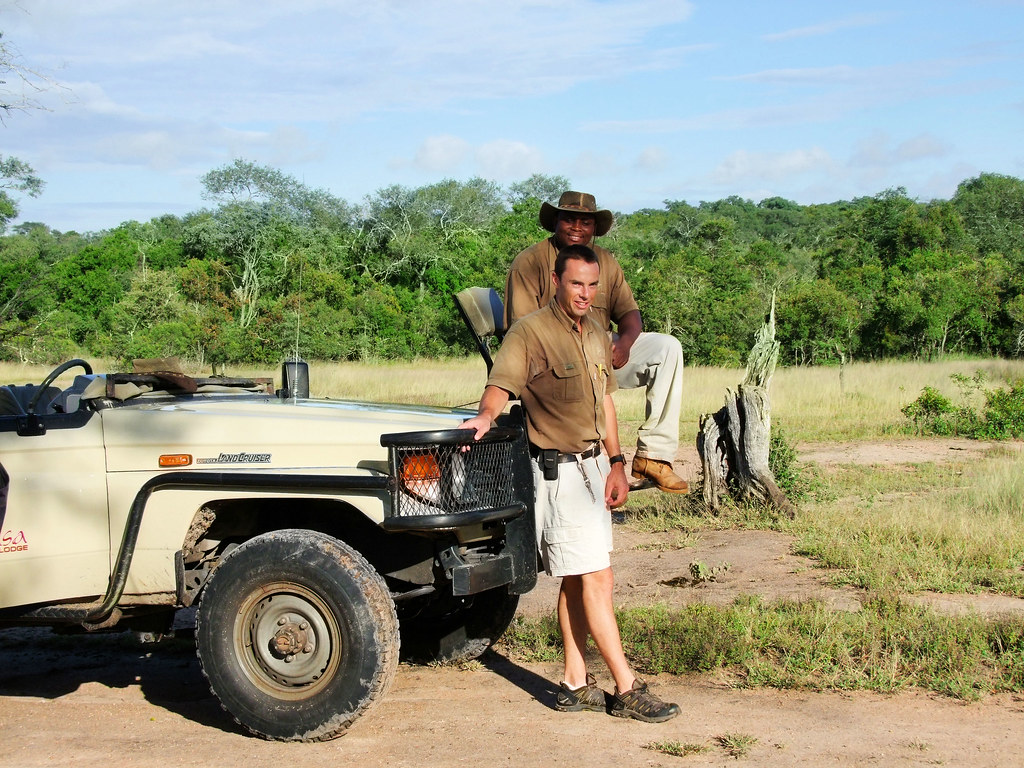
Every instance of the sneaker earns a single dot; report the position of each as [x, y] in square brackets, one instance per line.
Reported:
[640, 704]
[586, 698]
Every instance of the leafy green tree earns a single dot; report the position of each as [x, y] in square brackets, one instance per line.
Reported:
[89, 282]
[992, 208]
[780, 220]
[817, 323]
[245, 182]
[539, 187]
[253, 241]
[416, 236]
[23, 288]
[15, 176]
[152, 319]
[27, 284]
[893, 227]
[931, 310]
[511, 233]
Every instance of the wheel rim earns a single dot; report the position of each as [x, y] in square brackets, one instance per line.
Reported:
[288, 640]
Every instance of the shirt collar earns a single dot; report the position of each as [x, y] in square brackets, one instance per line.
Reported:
[564, 320]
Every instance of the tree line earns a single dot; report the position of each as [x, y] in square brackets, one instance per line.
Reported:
[272, 268]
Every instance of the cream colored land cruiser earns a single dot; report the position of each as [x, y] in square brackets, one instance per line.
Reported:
[311, 535]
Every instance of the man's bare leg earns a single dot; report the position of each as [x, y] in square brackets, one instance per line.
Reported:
[585, 607]
[573, 625]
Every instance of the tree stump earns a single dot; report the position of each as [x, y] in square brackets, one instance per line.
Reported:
[734, 441]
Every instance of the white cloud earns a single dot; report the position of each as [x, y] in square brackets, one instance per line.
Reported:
[942, 185]
[186, 145]
[88, 97]
[744, 167]
[449, 155]
[337, 59]
[335, 88]
[159, 150]
[651, 159]
[828, 27]
[919, 147]
[591, 164]
[775, 114]
[878, 150]
[441, 154]
[807, 76]
[508, 160]
[289, 144]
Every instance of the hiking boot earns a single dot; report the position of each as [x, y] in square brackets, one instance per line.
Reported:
[660, 473]
[586, 698]
[640, 704]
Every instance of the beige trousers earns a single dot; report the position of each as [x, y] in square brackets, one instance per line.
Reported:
[656, 363]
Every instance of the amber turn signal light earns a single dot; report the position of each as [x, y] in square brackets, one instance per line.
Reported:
[175, 460]
[419, 467]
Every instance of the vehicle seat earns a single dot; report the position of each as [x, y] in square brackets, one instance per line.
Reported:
[484, 314]
[11, 397]
[70, 399]
[9, 403]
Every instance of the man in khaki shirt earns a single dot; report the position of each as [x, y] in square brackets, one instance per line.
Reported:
[653, 361]
[557, 361]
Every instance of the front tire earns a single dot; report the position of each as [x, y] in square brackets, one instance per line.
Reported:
[458, 629]
[297, 635]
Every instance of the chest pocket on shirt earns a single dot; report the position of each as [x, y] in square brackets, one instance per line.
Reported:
[569, 381]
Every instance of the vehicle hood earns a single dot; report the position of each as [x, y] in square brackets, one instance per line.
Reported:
[262, 433]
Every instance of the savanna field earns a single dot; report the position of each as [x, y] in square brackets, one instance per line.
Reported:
[890, 529]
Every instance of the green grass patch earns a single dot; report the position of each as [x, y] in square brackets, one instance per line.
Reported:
[737, 744]
[677, 748]
[947, 528]
[870, 481]
[888, 646]
[652, 512]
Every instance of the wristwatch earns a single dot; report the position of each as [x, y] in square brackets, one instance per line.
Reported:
[617, 459]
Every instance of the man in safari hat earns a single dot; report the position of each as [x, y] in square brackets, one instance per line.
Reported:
[650, 360]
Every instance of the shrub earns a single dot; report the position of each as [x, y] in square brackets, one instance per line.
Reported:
[1004, 412]
[1001, 417]
[782, 461]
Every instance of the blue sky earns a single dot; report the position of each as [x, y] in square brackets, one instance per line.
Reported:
[636, 101]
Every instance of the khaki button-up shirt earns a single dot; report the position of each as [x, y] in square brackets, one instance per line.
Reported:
[529, 286]
[561, 373]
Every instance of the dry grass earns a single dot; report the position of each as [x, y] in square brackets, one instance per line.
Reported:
[816, 404]
[947, 528]
[861, 401]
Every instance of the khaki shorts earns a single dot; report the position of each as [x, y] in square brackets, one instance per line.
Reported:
[574, 527]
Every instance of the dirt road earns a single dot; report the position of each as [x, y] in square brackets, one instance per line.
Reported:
[100, 701]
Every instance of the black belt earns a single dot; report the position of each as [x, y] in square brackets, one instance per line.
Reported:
[591, 452]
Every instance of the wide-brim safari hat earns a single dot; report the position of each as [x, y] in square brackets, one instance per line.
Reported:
[576, 202]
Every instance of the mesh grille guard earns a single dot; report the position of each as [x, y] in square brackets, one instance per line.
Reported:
[445, 479]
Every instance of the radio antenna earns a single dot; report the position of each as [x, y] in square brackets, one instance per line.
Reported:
[298, 315]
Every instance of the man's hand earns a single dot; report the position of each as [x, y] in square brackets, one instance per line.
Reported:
[491, 405]
[616, 487]
[480, 424]
[629, 328]
[620, 351]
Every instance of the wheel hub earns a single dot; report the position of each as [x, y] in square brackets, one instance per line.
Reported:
[289, 640]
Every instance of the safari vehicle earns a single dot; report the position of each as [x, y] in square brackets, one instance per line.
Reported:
[312, 537]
